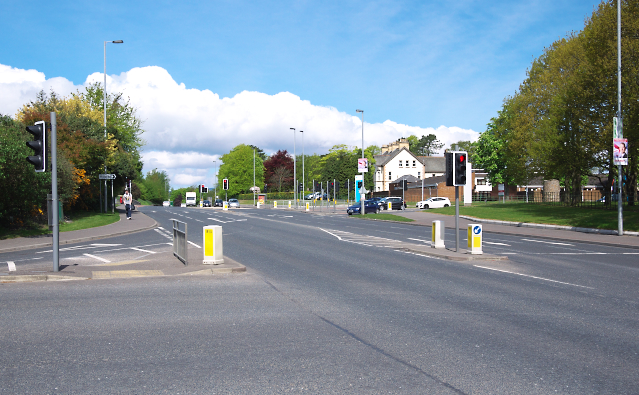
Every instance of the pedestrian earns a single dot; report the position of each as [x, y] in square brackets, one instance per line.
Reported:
[128, 200]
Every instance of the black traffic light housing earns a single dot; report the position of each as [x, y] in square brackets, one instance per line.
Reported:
[460, 158]
[359, 184]
[449, 168]
[300, 187]
[405, 185]
[336, 187]
[225, 184]
[265, 185]
[39, 146]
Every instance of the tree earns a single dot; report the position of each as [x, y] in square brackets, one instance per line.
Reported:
[424, 146]
[237, 166]
[280, 174]
[464, 145]
[278, 160]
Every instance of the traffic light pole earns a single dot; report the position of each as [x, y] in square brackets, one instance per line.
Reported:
[54, 193]
[457, 218]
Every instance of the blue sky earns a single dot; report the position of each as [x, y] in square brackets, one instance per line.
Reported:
[245, 71]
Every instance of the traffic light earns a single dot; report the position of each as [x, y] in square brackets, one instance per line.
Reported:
[39, 146]
[359, 184]
[460, 168]
[405, 185]
[300, 187]
[330, 187]
[265, 185]
[336, 187]
[449, 168]
[318, 187]
[225, 184]
[203, 189]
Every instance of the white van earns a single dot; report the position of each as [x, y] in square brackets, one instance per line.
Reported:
[190, 199]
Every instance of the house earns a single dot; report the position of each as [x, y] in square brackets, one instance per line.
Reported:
[396, 161]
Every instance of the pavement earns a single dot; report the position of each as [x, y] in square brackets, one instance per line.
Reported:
[161, 264]
[165, 264]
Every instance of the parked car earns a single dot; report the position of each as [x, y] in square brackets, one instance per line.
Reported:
[206, 203]
[312, 196]
[379, 201]
[166, 203]
[434, 202]
[370, 206]
[218, 203]
[234, 203]
[397, 203]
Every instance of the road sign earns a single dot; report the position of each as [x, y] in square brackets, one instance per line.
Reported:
[107, 176]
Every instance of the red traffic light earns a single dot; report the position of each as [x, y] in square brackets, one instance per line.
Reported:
[461, 158]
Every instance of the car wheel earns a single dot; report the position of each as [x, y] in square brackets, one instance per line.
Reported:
[426, 207]
[377, 211]
[445, 205]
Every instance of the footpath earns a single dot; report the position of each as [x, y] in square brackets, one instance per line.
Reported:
[159, 264]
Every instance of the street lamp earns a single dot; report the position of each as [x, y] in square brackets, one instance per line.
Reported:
[105, 117]
[294, 170]
[215, 175]
[363, 210]
[303, 173]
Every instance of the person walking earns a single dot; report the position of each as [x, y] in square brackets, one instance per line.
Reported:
[128, 199]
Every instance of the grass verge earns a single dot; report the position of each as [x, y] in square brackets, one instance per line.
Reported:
[387, 217]
[78, 221]
[582, 217]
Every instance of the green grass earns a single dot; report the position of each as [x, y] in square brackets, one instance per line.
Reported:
[583, 217]
[387, 217]
[78, 221]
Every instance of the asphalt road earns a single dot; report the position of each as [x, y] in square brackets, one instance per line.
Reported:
[327, 307]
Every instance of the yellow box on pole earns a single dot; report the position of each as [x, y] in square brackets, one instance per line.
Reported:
[213, 251]
[437, 240]
[475, 236]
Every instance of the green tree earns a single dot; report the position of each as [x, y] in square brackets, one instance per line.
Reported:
[238, 168]
[427, 145]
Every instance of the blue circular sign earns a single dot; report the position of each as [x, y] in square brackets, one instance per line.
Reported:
[477, 229]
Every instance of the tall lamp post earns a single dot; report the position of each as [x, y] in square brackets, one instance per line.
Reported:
[619, 121]
[105, 115]
[294, 170]
[361, 197]
[215, 175]
[303, 173]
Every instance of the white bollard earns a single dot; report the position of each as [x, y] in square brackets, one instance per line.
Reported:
[474, 239]
[390, 206]
[438, 235]
[225, 207]
[213, 251]
[289, 204]
[308, 206]
[259, 204]
[274, 203]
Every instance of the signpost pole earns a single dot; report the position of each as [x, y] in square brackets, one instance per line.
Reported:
[457, 218]
[54, 192]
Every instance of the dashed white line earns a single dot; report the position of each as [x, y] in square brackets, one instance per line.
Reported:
[139, 249]
[98, 258]
[496, 244]
[548, 242]
[535, 277]
[12, 266]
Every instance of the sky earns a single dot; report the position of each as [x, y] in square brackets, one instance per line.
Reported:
[206, 76]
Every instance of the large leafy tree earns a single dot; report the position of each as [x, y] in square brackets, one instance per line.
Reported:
[282, 164]
[237, 166]
[427, 145]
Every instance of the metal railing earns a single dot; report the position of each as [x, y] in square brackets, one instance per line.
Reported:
[180, 241]
[587, 198]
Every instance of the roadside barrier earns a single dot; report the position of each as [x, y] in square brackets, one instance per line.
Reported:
[180, 245]
[274, 203]
[475, 239]
[213, 252]
[289, 204]
[438, 234]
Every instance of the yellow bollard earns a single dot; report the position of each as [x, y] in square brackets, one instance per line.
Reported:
[475, 239]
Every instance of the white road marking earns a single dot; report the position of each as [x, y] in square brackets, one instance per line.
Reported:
[98, 258]
[139, 249]
[423, 241]
[12, 266]
[190, 242]
[535, 277]
[548, 242]
[105, 245]
[497, 244]
[213, 219]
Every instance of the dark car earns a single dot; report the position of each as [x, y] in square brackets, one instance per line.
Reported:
[380, 202]
[397, 203]
[370, 206]
[218, 203]
[206, 203]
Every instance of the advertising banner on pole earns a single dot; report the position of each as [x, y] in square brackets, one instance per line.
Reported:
[362, 165]
[620, 151]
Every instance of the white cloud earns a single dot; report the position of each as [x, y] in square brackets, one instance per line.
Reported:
[187, 129]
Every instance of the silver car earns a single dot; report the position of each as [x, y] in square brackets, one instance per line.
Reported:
[234, 203]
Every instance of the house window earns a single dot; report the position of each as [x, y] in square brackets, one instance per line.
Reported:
[481, 181]
[419, 173]
[406, 163]
[400, 163]
[389, 175]
[413, 163]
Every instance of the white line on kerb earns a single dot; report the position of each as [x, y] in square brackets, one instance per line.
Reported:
[535, 277]
[12, 266]
[190, 242]
[139, 249]
[98, 258]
